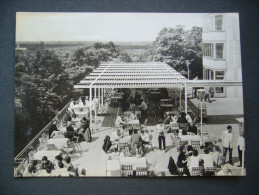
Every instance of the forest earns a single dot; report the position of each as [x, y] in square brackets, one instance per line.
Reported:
[46, 73]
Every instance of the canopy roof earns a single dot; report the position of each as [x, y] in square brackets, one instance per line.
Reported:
[142, 75]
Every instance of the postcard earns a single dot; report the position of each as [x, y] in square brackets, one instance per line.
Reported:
[128, 95]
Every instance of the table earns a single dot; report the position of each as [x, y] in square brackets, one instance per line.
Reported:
[167, 105]
[51, 154]
[134, 161]
[60, 143]
[165, 100]
[189, 137]
[132, 123]
[113, 168]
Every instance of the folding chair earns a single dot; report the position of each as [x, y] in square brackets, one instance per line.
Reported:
[195, 145]
[141, 172]
[196, 171]
[126, 170]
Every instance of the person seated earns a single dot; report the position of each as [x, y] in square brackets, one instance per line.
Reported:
[133, 115]
[188, 118]
[119, 121]
[73, 114]
[125, 104]
[47, 164]
[182, 161]
[145, 137]
[182, 118]
[192, 128]
[136, 143]
[167, 113]
[71, 105]
[72, 172]
[115, 137]
[69, 131]
[209, 161]
[67, 117]
[33, 168]
[52, 128]
[85, 132]
[174, 125]
[67, 162]
[166, 122]
[59, 164]
[194, 160]
[137, 99]
[189, 150]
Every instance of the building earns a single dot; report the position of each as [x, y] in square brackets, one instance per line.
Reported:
[221, 51]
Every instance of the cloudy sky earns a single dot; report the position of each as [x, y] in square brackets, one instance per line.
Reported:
[124, 27]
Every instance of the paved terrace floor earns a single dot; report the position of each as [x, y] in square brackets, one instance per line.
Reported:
[223, 106]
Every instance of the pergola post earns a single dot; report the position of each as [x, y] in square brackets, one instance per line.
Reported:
[186, 106]
[180, 103]
[99, 96]
[102, 94]
[95, 107]
[90, 100]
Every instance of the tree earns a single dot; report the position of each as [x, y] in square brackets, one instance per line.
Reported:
[180, 49]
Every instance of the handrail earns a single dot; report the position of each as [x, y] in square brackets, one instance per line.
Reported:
[19, 160]
[41, 132]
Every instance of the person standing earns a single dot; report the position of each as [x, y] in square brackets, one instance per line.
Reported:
[240, 148]
[143, 108]
[161, 135]
[227, 139]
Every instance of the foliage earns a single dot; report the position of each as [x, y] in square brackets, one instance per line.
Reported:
[180, 49]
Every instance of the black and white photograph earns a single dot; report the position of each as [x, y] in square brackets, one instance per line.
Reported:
[128, 95]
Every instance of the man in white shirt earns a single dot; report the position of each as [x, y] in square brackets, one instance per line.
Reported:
[227, 139]
[240, 148]
[161, 135]
[119, 122]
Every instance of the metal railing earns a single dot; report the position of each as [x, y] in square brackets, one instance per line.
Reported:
[22, 158]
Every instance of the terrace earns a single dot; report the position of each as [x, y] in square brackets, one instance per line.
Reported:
[105, 102]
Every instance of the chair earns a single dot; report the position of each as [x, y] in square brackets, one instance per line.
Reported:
[126, 170]
[150, 142]
[196, 171]
[195, 144]
[183, 126]
[141, 172]
[210, 169]
[174, 128]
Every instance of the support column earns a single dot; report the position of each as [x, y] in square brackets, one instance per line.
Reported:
[186, 106]
[90, 109]
[95, 107]
[180, 103]
[102, 94]
[99, 96]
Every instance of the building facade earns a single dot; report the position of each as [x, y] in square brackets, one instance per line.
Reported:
[221, 51]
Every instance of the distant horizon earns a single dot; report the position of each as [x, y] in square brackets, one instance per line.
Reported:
[99, 27]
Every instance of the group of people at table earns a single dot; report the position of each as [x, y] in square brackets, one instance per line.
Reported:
[61, 166]
[71, 128]
[206, 159]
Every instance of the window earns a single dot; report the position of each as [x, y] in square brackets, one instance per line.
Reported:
[208, 50]
[219, 89]
[219, 50]
[219, 75]
[218, 22]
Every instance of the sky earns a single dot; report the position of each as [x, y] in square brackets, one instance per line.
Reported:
[117, 27]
